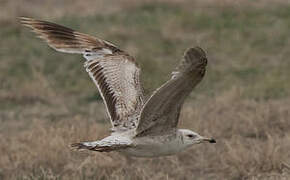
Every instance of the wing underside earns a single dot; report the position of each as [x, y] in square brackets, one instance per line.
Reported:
[117, 78]
[115, 73]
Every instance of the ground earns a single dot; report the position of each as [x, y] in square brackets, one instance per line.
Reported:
[47, 100]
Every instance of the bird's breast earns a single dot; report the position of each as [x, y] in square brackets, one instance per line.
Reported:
[154, 146]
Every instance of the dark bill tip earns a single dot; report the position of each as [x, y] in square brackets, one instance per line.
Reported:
[212, 140]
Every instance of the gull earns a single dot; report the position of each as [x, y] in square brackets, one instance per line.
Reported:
[141, 127]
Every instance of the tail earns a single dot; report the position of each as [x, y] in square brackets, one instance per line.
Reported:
[81, 146]
[67, 40]
[97, 146]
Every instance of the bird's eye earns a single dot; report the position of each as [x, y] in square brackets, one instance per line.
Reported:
[190, 135]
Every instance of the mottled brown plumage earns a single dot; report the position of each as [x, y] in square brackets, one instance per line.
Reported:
[140, 128]
[115, 73]
[118, 80]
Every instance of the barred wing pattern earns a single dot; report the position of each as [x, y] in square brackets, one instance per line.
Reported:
[67, 40]
[114, 72]
[160, 113]
[117, 78]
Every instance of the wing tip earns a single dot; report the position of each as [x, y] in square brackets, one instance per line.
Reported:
[28, 22]
[196, 52]
[25, 20]
[196, 56]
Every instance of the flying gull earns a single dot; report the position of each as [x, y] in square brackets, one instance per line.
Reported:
[140, 127]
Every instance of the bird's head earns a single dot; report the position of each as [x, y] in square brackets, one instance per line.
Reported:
[189, 137]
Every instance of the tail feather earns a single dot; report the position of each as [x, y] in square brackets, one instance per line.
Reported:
[80, 146]
[97, 147]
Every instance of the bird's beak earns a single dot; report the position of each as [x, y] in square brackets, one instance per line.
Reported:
[210, 140]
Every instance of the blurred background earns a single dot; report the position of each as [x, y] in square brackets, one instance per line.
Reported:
[47, 100]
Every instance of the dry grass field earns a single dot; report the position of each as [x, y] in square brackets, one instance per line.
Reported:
[47, 100]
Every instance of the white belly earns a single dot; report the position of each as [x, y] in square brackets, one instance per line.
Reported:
[152, 147]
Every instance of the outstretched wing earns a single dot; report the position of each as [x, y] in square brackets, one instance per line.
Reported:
[67, 40]
[161, 112]
[115, 73]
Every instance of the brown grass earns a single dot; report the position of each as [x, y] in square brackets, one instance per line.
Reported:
[47, 100]
[253, 142]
